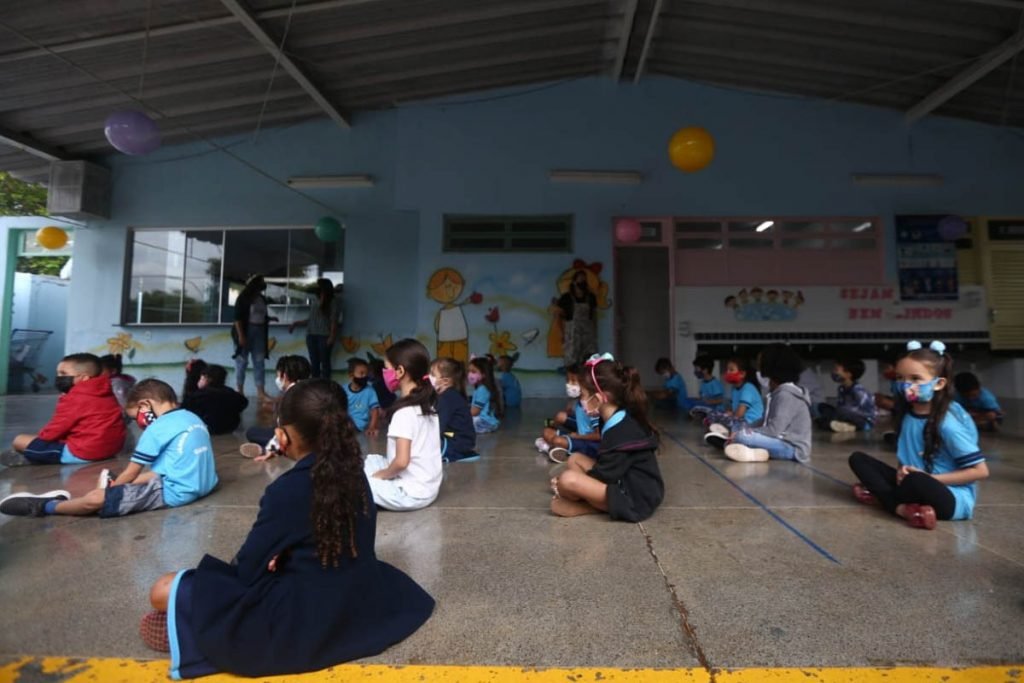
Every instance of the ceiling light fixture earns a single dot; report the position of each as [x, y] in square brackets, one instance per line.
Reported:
[331, 181]
[601, 177]
[764, 226]
[863, 226]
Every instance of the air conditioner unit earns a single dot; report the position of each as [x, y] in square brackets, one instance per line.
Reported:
[78, 190]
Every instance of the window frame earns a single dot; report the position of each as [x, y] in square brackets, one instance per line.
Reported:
[507, 234]
[224, 230]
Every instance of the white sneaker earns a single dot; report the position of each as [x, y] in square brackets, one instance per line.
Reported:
[542, 445]
[741, 453]
[842, 427]
[719, 429]
[558, 455]
[104, 480]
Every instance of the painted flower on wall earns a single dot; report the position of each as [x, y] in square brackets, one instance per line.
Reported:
[350, 344]
[122, 344]
[382, 347]
[501, 343]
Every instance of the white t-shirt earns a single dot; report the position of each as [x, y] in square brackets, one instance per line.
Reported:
[422, 478]
[451, 325]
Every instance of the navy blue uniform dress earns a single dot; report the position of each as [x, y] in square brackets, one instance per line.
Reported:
[241, 618]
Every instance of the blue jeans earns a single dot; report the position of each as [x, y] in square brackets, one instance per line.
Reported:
[319, 355]
[256, 346]
[777, 448]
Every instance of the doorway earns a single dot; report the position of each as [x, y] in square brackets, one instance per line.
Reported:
[643, 308]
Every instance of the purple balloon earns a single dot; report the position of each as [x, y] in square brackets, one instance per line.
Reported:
[132, 132]
[952, 228]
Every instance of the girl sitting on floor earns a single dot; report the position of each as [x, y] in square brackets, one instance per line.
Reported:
[940, 461]
[624, 479]
[306, 590]
[458, 438]
[486, 405]
[747, 406]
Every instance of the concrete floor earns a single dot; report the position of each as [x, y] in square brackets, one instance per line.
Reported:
[744, 565]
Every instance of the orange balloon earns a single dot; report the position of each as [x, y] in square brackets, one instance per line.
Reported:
[51, 237]
[691, 149]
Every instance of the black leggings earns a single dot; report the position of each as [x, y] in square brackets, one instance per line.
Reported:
[916, 487]
[829, 412]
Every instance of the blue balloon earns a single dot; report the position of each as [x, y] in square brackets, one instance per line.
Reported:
[328, 229]
[132, 132]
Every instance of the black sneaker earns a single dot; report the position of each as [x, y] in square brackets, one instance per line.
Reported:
[716, 440]
[29, 504]
[13, 459]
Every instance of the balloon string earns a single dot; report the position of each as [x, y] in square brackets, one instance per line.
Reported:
[273, 71]
[145, 45]
[179, 126]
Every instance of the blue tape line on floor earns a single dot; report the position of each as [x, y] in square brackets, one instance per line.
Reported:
[799, 534]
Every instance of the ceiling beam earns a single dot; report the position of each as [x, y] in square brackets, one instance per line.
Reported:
[627, 32]
[987, 63]
[31, 146]
[250, 23]
[1008, 4]
[648, 40]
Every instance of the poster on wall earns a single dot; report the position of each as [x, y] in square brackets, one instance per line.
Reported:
[926, 261]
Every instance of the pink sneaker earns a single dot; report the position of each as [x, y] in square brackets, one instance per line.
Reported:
[919, 516]
[861, 493]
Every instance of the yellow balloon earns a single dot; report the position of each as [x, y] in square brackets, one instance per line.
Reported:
[51, 237]
[691, 149]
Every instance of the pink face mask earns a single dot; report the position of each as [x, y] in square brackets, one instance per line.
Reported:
[474, 378]
[390, 379]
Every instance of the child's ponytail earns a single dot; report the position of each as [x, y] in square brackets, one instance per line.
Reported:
[635, 398]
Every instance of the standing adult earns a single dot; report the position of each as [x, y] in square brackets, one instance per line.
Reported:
[321, 328]
[250, 334]
[578, 309]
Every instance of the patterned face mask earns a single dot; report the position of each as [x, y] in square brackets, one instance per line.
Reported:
[919, 393]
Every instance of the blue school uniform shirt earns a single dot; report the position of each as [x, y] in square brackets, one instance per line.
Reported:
[177, 447]
[858, 399]
[711, 389]
[360, 403]
[586, 424]
[986, 402]
[482, 400]
[675, 383]
[959, 449]
[510, 390]
[749, 396]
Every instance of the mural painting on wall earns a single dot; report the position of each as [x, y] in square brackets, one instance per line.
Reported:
[501, 343]
[122, 344]
[445, 287]
[556, 330]
[759, 305]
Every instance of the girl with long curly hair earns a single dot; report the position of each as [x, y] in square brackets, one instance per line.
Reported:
[306, 590]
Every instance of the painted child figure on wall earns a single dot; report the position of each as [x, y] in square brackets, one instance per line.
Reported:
[445, 287]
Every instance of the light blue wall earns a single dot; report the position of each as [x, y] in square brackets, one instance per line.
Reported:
[775, 155]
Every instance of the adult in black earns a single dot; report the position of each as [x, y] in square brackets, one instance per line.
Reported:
[216, 404]
[250, 334]
[578, 309]
[321, 328]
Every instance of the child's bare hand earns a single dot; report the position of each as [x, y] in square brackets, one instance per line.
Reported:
[265, 457]
[554, 486]
[272, 565]
[379, 474]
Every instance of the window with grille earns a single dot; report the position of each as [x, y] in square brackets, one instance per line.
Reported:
[507, 233]
[793, 251]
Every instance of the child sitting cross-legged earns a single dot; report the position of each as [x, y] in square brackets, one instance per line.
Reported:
[174, 445]
[511, 391]
[574, 430]
[785, 433]
[624, 479]
[216, 404]
[486, 404]
[979, 402]
[747, 406]
[855, 405]
[87, 424]
[673, 394]
[261, 444]
[458, 438]
[711, 394]
[306, 590]
[363, 405]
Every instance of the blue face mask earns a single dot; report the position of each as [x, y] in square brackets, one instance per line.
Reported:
[699, 374]
[918, 393]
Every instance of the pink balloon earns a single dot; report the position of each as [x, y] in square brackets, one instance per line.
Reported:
[627, 230]
[132, 132]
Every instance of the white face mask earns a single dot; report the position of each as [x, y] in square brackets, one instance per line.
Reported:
[279, 381]
[762, 380]
[572, 390]
[439, 383]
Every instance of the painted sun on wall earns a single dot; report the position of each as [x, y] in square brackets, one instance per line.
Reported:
[504, 315]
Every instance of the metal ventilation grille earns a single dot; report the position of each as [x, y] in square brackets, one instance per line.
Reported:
[1007, 299]
[835, 337]
[508, 233]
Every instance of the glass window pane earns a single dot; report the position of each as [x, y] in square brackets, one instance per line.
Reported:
[310, 259]
[803, 227]
[699, 243]
[803, 243]
[853, 244]
[749, 243]
[204, 254]
[854, 227]
[158, 266]
[744, 226]
[683, 227]
[251, 252]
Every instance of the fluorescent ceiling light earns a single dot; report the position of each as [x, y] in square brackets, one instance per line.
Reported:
[326, 181]
[764, 226]
[898, 179]
[863, 226]
[605, 177]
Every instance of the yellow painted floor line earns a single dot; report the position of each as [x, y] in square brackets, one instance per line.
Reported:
[112, 670]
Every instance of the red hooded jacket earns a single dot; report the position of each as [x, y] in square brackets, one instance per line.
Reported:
[88, 418]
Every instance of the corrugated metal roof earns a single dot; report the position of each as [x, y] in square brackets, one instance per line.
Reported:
[207, 74]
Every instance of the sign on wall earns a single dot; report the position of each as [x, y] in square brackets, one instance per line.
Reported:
[926, 261]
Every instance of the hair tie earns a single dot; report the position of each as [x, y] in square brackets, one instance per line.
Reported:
[938, 347]
[914, 345]
[592, 363]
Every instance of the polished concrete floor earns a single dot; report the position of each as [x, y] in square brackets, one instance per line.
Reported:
[744, 565]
